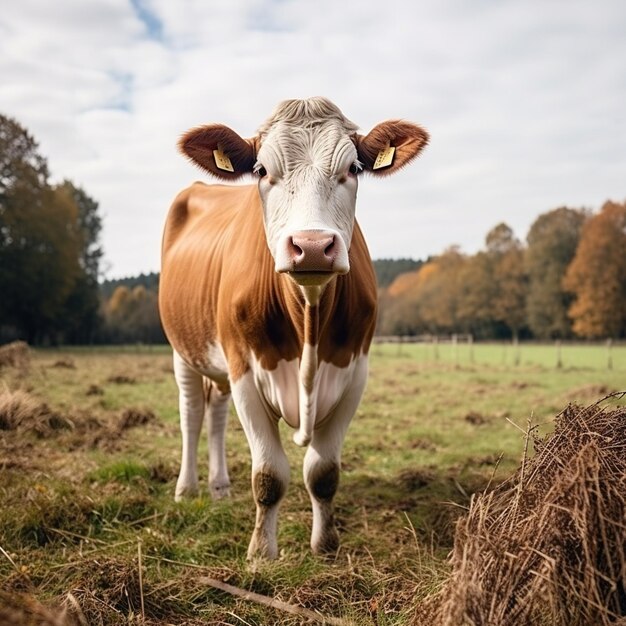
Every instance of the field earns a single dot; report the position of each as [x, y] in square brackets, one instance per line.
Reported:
[87, 473]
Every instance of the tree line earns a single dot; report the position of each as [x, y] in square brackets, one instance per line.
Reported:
[568, 279]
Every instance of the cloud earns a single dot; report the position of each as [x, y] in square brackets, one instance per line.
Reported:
[524, 102]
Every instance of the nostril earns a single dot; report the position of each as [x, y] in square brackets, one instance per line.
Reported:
[329, 250]
[294, 249]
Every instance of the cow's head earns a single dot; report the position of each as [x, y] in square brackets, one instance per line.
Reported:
[307, 158]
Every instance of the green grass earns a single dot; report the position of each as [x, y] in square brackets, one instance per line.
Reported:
[431, 430]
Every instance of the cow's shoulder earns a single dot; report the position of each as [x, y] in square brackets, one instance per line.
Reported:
[206, 210]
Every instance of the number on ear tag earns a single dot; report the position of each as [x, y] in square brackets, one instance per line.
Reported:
[384, 158]
[222, 161]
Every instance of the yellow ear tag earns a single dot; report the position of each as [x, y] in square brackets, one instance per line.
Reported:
[384, 158]
[222, 161]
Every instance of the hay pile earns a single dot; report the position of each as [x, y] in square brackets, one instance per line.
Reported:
[20, 412]
[549, 545]
[15, 354]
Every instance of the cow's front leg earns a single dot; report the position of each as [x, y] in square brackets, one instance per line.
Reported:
[270, 468]
[191, 406]
[322, 463]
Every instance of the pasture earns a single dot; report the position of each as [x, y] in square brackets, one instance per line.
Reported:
[87, 474]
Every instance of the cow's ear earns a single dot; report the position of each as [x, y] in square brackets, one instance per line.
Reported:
[219, 150]
[390, 146]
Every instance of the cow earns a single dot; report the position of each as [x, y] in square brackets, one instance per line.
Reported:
[268, 295]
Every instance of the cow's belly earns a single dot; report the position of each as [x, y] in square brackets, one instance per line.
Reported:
[210, 363]
[280, 387]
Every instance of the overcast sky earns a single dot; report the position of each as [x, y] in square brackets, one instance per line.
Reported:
[525, 101]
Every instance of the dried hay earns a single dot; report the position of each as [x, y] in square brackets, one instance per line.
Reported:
[20, 609]
[548, 546]
[21, 412]
[15, 354]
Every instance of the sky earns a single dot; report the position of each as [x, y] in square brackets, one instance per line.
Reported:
[525, 102]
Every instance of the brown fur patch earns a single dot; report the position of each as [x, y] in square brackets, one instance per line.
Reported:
[268, 490]
[325, 481]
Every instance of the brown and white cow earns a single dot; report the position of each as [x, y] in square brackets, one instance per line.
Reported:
[268, 293]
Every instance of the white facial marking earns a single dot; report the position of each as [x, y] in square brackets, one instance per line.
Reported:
[308, 187]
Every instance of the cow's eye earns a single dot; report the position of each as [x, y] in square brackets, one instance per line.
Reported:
[260, 171]
[354, 169]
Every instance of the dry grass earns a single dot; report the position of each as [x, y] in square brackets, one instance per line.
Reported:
[548, 546]
[20, 609]
[15, 354]
[79, 499]
[19, 411]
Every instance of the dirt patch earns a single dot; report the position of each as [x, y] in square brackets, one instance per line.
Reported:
[421, 443]
[66, 364]
[132, 418]
[476, 418]
[94, 390]
[548, 546]
[121, 379]
[412, 480]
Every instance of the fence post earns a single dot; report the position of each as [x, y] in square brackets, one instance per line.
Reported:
[516, 351]
[436, 347]
[559, 361]
[455, 350]
[470, 340]
[609, 354]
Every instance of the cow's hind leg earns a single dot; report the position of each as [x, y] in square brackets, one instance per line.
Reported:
[322, 463]
[216, 417]
[270, 467]
[191, 406]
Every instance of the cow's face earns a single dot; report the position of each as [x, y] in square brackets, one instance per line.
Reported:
[307, 158]
[308, 185]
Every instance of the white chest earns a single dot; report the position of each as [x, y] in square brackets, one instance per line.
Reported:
[281, 390]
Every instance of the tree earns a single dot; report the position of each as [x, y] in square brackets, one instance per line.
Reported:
[20, 161]
[133, 316]
[82, 318]
[597, 275]
[506, 258]
[48, 243]
[552, 242]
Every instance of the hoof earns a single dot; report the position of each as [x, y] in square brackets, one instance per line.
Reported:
[328, 544]
[219, 491]
[184, 492]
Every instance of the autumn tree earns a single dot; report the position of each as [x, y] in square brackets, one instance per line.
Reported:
[506, 256]
[132, 316]
[597, 275]
[552, 242]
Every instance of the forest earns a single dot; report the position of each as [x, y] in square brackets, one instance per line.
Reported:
[567, 279]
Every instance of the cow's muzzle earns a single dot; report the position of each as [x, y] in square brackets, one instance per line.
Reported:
[312, 252]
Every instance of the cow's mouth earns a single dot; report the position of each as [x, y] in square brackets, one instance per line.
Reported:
[309, 279]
